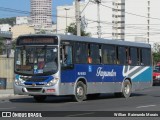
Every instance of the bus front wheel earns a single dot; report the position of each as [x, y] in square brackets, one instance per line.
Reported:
[80, 92]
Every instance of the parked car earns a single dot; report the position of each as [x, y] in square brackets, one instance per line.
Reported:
[156, 76]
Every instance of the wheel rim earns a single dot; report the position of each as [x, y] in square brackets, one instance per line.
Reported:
[80, 91]
[127, 89]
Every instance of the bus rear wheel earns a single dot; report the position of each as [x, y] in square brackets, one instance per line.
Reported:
[126, 90]
[40, 98]
[80, 92]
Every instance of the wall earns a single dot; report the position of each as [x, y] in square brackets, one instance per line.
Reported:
[21, 30]
[7, 70]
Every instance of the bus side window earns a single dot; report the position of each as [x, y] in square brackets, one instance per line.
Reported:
[121, 55]
[94, 54]
[66, 55]
[80, 52]
[146, 57]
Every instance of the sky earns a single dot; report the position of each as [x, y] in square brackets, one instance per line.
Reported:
[24, 5]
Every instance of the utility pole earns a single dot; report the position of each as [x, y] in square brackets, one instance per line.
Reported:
[148, 21]
[78, 18]
[66, 9]
[98, 18]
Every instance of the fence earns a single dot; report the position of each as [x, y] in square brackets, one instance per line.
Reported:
[7, 71]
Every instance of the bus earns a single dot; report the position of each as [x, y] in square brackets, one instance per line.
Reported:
[81, 67]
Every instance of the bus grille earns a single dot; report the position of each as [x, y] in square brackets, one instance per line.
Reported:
[34, 79]
[34, 89]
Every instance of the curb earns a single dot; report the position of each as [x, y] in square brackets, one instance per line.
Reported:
[6, 95]
[10, 95]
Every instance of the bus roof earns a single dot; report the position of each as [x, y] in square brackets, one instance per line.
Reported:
[93, 40]
[102, 40]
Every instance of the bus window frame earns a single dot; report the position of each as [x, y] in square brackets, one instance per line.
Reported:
[62, 44]
[74, 49]
[99, 51]
[102, 52]
[118, 54]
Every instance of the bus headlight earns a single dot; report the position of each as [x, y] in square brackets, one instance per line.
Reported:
[52, 82]
[19, 82]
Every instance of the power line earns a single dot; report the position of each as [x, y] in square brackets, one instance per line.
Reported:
[91, 21]
[13, 10]
[131, 13]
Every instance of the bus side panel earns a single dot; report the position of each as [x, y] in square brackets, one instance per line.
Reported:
[142, 79]
[99, 78]
[105, 78]
[140, 76]
[67, 82]
[119, 78]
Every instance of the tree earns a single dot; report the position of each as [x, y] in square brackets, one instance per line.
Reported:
[156, 57]
[156, 53]
[72, 28]
[1, 44]
[11, 21]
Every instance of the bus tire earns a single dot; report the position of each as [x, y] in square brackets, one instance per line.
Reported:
[80, 92]
[40, 98]
[126, 88]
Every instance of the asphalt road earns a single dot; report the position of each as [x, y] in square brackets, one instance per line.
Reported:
[140, 101]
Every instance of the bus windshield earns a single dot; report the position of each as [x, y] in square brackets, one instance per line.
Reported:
[32, 60]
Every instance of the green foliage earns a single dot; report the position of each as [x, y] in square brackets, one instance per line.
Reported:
[156, 57]
[13, 46]
[156, 53]
[156, 47]
[73, 29]
[1, 44]
[10, 21]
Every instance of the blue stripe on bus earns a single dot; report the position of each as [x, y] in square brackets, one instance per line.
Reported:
[101, 73]
[145, 76]
[47, 79]
[93, 73]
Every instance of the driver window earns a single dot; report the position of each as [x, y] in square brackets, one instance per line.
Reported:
[66, 55]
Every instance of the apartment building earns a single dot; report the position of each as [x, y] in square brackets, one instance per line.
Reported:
[138, 20]
[41, 13]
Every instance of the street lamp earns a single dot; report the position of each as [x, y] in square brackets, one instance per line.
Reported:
[66, 9]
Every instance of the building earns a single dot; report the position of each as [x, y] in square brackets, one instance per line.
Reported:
[5, 27]
[136, 20]
[118, 19]
[66, 16]
[139, 21]
[22, 20]
[105, 18]
[49, 30]
[41, 13]
[18, 30]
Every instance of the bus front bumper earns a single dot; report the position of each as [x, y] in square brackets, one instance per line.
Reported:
[24, 90]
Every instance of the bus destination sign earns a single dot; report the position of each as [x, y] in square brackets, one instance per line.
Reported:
[38, 41]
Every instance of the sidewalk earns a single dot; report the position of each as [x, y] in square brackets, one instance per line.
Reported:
[6, 93]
